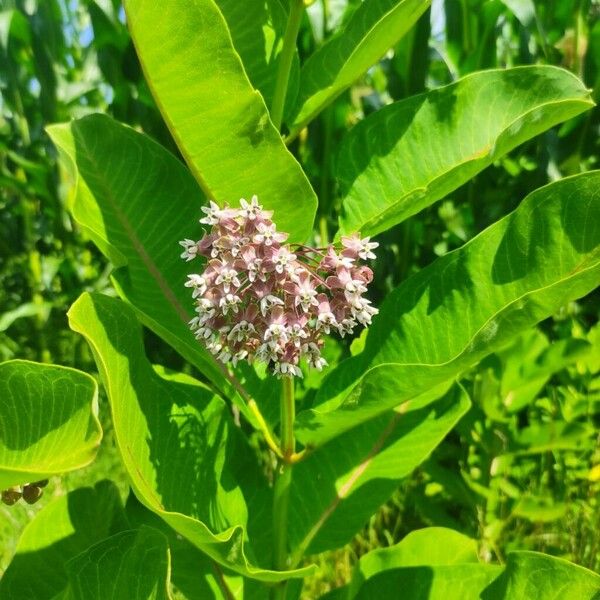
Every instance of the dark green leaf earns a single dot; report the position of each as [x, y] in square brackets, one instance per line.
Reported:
[339, 486]
[60, 531]
[130, 565]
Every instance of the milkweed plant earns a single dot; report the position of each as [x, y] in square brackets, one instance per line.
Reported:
[268, 449]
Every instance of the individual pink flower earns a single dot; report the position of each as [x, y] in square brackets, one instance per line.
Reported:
[354, 246]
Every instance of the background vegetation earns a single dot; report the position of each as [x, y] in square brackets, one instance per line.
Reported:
[522, 469]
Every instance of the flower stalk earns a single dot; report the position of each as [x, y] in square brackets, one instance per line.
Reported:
[281, 496]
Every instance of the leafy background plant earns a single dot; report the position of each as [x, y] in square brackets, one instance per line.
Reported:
[520, 469]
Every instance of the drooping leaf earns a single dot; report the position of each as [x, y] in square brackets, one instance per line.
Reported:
[439, 564]
[193, 573]
[48, 421]
[373, 28]
[338, 487]
[186, 459]
[130, 565]
[218, 120]
[517, 272]
[412, 153]
[60, 531]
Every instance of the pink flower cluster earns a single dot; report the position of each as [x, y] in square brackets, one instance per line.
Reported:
[261, 299]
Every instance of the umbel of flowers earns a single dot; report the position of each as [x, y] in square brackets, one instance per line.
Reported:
[259, 298]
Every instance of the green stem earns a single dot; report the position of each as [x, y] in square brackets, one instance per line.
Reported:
[466, 27]
[281, 496]
[288, 414]
[285, 61]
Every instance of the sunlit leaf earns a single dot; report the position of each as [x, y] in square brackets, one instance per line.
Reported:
[412, 153]
[517, 272]
[63, 529]
[218, 120]
[48, 422]
[123, 211]
[439, 564]
[186, 459]
[374, 28]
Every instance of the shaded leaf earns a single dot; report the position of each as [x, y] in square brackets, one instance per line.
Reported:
[193, 574]
[219, 122]
[257, 28]
[186, 459]
[339, 486]
[130, 565]
[515, 273]
[48, 421]
[412, 153]
[63, 529]
[374, 27]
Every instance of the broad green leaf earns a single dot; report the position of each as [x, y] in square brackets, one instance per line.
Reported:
[341, 484]
[515, 273]
[373, 28]
[193, 574]
[439, 564]
[63, 529]
[218, 120]
[121, 183]
[456, 582]
[48, 421]
[186, 459]
[130, 565]
[536, 575]
[432, 546]
[412, 153]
